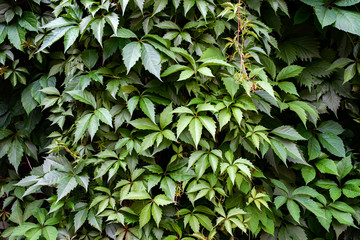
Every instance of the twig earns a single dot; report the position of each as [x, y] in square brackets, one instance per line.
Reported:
[238, 47]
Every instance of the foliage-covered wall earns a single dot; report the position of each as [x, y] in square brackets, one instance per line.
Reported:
[193, 119]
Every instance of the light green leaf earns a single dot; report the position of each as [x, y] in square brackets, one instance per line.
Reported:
[289, 72]
[16, 35]
[113, 20]
[183, 122]
[346, 21]
[151, 59]
[80, 218]
[148, 107]
[209, 124]
[166, 116]
[294, 210]
[168, 186]
[70, 37]
[53, 36]
[188, 4]
[156, 213]
[325, 15]
[308, 173]
[279, 149]
[131, 54]
[144, 124]
[314, 148]
[137, 196]
[287, 132]
[125, 33]
[83, 96]
[97, 26]
[93, 126]
[267, 87]
[145, 215]
[159, 5]
[230, 85]
[346, 3]
[65, 186]
[104, 115]
[332, 143]
[288, 87]
[195, 129]
[349, 72]
[162, 200]
[82, 125]
[327, 166]
[206, 71]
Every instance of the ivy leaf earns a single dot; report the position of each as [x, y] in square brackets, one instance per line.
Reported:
[93, 126]
[287, 132]
[15, 153]
[144, 124]
[346, 21]
[97, 27]
[145, 215]
[314, 148]
[113, 20]
[104, 115]
[279, 149]
[94, 221]
[195, 129]
[89, 57]
[159, 5]
[231, 86]
[188, 4]
[50, 233]
[156, 213]
[70, 37]
[346, 3]
[151, 59]
[66, 185]
[148, 108]
[54, 35]
[209, 124]
[327, 166]
[169, 187]
[308, 173]
[80, 218]
[289, 72]
[83, 96]
[294, 210]
[131, 54]
[123, 4]
[332, 143]
[326, 16]
[350, 72]
[162, 200]
[16, 36]
[82, 125]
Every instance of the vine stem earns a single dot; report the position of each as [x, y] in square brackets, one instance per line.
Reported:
[27, 159]
[238, 42]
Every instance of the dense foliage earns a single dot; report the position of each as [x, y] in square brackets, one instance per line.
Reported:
[193, 119]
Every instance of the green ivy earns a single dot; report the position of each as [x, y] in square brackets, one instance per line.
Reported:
[193, 119]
